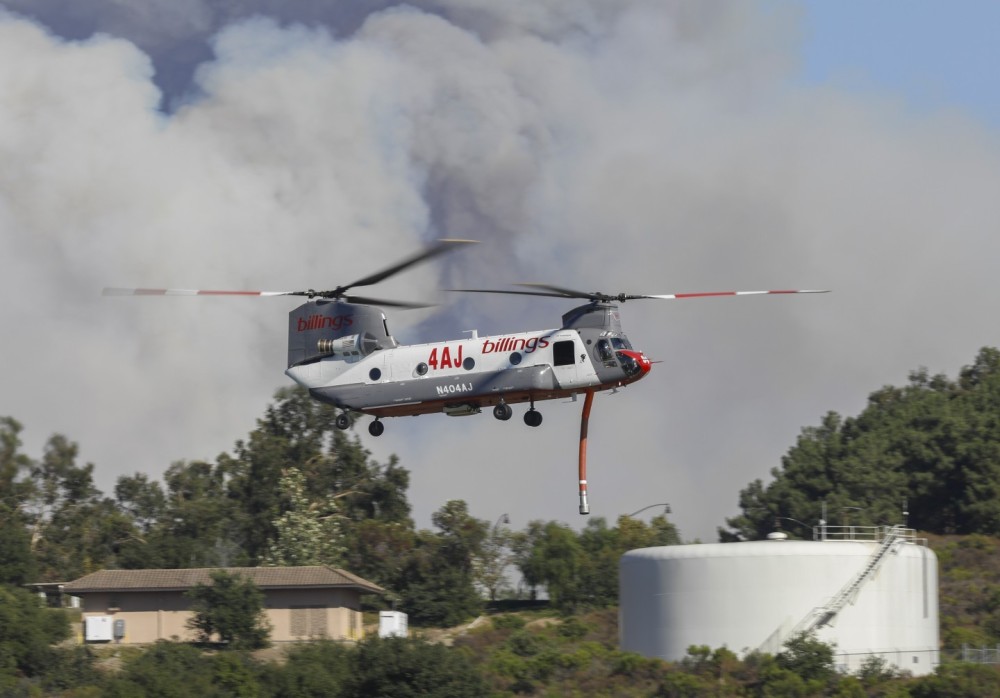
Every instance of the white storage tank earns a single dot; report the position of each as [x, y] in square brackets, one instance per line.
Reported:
[873, 591]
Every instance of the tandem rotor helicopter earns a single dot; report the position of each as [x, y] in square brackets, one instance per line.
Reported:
[340, 349]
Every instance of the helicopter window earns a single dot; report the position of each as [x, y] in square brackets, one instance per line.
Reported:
[620, 343]
[515, 358]
[375, 374]
[469, 363]
[421, 369]
[563, 353]
[604, 352]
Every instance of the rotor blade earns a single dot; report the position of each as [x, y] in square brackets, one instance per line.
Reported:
[513, 293]
[559, 292]
[594, 296]
[442, 246]
[189, 292]
[389, 304]
[681, 296]
[564, 292]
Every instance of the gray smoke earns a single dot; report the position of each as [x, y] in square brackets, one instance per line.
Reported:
[637, 146]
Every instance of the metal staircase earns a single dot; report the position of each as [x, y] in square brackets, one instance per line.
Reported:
[823, 615]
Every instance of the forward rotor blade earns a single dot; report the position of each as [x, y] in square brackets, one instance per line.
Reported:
[508, 292]
[389, 304]
[189, 292]
[442, 246]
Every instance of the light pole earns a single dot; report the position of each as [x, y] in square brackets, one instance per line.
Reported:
[779, 519]
[666, 509]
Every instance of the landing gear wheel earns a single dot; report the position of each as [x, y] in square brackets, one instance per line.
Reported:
[502, 411]
[376, 428]
[533, 418]
[343, 421]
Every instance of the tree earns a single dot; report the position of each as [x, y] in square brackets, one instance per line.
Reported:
[298, 432]
[231, 607]
[808, 657]
[934, 444]
[197, 525]
[17, 564]
[437, 583]
[307, 533]
[493, 559]
[556, 560]
[27, 632]
[74, 530]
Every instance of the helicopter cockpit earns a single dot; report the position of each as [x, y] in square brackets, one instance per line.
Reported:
[616, 350]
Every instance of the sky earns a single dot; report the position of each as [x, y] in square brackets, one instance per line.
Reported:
[634, 146]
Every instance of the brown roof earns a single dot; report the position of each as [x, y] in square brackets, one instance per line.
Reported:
[318, 576]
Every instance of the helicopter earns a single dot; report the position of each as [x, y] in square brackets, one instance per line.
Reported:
[341, 351]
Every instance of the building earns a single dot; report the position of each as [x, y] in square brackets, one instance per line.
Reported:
[140, 606]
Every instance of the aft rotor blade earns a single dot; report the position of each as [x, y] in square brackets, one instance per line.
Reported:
[442, 246]
[189, 292]
[681, 296]
[560, 292]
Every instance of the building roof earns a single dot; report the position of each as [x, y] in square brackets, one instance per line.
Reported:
[317, 576]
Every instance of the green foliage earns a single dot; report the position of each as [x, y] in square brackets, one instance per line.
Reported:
[17, 563]
[959, 680]
[969, 595]
[403, 667]
[314, 670]
[581, 570]
[165, 670]
[508, 621]
[934, 443]
[27, 633]
[231, 607]
[808, 657]
[437, 582]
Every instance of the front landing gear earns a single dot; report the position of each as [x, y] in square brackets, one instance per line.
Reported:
[342, 421]
[502, 411]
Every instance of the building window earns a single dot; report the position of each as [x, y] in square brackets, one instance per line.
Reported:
[308, 621]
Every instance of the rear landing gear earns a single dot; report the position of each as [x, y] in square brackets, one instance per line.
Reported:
[533, 417]
[376, 428]
[342, 421]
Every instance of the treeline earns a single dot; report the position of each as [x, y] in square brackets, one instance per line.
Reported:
[930, 448]
[296, 491]
[513, 654]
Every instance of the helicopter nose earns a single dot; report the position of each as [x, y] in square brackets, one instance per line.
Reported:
[641, 364]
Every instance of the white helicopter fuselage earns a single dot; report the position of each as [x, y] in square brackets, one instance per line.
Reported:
[460, 376]
[344, 355]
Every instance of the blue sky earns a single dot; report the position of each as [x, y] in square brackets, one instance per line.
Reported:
[935, 54]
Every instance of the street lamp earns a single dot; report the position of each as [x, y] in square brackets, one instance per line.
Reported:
[666, 509]
[778, 519]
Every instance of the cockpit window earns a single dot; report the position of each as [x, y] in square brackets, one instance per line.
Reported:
[604, 352]
[620, 343]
